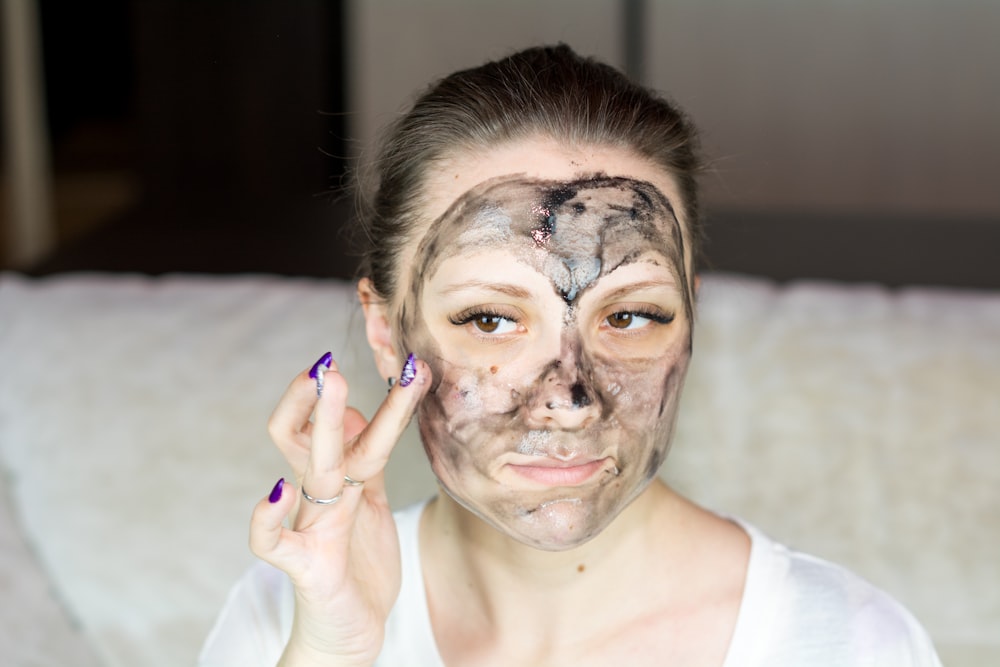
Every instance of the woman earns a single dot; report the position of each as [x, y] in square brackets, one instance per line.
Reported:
[535, 229]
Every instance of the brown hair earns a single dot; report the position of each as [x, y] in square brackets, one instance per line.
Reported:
[549, 91]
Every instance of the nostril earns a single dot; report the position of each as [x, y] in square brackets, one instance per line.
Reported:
[579, 398]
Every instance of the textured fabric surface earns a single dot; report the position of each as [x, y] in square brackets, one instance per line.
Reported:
[861, 425]
[35, 629]
[132, 422]
[854, 423]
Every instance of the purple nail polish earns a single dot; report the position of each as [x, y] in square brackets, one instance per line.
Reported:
[409, 371]
[320, 367]
[324, 362]
[276, 491]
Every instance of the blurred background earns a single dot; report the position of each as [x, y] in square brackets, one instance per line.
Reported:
[853, 141]
[849, 140]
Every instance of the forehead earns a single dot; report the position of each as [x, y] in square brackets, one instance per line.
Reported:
[534, 159]
[572, 231]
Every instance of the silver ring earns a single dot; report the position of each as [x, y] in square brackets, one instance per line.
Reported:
[351, 482]
[322, 501]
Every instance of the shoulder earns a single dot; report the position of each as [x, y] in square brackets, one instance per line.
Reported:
[408, 520]
[409, 638]
[824, 614]
[255, 621]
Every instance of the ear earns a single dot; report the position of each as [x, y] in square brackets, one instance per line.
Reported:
[379, 330]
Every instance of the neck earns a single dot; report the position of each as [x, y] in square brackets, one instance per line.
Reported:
[665, 579]
[512, 584]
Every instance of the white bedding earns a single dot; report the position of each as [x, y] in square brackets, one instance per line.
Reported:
[853, 422]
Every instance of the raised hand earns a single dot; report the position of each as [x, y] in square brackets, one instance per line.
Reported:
[342, 552]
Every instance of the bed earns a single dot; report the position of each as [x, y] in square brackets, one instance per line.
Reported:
[857, 422]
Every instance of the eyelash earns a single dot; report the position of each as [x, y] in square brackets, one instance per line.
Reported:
[470, 314]
[654, 315]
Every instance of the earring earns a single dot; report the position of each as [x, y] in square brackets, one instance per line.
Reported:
[392, 383]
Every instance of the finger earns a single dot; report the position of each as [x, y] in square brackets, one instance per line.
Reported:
[289, 425]
[354, 423]
[266, 525]
[370, 451]
[324, 476]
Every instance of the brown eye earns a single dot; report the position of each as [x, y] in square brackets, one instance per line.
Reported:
[620, 320]
[487, 323]
[631, 319]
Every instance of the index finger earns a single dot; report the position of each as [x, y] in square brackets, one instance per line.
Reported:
[368, 455]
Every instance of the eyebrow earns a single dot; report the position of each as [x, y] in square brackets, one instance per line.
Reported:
[625, 290]
[500, 288]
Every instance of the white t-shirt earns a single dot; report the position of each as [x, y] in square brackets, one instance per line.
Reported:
[797, 610]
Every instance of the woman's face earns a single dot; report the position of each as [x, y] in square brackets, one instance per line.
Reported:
[550, 298]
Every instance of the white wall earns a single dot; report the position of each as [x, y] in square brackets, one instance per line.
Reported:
[832, 105]
[840, 105]
[396, 47]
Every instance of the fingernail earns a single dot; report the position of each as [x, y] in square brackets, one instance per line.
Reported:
[276, 491]
[321, 366]
[409, 371]
[324, 363]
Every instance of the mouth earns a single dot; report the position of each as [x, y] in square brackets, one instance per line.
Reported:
[549, 472]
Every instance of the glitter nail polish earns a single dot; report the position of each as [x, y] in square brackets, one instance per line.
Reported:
[321, 366]
[409, 371]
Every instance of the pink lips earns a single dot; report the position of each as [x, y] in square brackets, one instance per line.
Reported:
[553, 472]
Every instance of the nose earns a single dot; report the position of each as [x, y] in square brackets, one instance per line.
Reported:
[563, 398]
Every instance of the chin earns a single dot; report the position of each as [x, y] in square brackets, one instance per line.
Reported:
[554, 525]
[558, 526]
[550, 520]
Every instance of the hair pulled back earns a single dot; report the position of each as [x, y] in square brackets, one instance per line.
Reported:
[549, 91]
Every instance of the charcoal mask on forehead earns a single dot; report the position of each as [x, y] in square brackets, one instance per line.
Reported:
[577, 230]
[477, 418]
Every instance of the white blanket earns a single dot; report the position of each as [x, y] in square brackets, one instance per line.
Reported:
[853, 422]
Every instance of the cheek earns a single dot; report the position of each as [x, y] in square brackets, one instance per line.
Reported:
[465, 407]
[487, 383]
[666, 415]
[638, 393]
[644, 410]
[473, 391]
